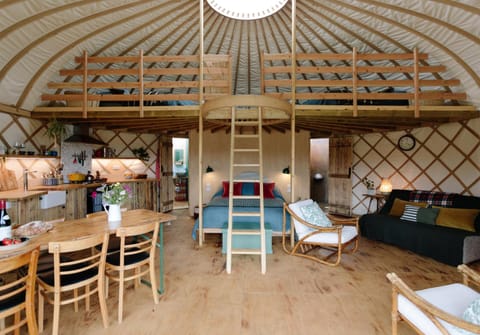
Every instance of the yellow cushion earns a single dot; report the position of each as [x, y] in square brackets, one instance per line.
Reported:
[398, 206]
[457, 218]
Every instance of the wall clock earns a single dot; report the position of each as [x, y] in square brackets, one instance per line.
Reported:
[406, 142]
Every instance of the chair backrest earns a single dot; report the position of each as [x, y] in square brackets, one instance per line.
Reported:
[145, 242]
[84, 260]
[22, 289]
[295, 207]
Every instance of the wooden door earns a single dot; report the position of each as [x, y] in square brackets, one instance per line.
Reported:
[166, 173]
[339, 175]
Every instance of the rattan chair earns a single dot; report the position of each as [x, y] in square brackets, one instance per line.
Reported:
[18, 294]
[135, 259]
[306, 238]
[437, 310]
[80, 271]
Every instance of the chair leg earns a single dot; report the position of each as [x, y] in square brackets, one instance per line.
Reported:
[75, 303]
[103, 303]
[40, 310]
[16, 321]
[153, 282]
[121, 285]
[87, 298]
[56, 313]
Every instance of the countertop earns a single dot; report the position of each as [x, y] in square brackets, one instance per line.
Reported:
[33, 191]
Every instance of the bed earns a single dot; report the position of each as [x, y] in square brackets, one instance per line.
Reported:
[215, 213]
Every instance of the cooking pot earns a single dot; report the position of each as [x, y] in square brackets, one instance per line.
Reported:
[76, 177]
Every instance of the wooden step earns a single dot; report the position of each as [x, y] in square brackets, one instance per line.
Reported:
[246, 165]
[246, 232]
[246, 197]
[246, 135]
[246, 252]
[247, 180]
[246, 150]
[245, 213]
[246, 123]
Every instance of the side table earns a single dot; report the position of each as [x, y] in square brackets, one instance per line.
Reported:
[379, 200]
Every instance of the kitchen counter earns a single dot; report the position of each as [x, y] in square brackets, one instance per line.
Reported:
[20, 194]
[33, 191]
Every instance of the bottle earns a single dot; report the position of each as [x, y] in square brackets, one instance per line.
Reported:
[5, 222]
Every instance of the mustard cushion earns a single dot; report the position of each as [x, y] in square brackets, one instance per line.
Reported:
[459, 218]
[398, 206]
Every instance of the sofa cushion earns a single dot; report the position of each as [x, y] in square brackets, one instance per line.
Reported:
[433, 198]
[420, 214]
[399, 206]
[460, 218]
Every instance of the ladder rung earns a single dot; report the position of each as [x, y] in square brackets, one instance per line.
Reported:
[247, 180]
[246, 197]
[246, 150]
[246, 252]
[246, 123]
[246, 232]
[246, 165]
[246, 214]
[246, 135]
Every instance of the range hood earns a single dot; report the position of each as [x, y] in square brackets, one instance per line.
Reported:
[81, 134]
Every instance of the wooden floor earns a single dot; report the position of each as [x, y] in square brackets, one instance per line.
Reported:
[295, 296]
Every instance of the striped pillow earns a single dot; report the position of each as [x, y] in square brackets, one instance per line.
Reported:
[410, 213]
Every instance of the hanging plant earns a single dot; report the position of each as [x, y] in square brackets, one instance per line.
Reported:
[56, 130]
[142, 154]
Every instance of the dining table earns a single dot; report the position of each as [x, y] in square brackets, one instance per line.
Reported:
[79, 228]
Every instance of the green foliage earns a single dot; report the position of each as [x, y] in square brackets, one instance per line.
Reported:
[141, 153]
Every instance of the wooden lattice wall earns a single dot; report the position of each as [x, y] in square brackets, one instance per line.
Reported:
[446, 158]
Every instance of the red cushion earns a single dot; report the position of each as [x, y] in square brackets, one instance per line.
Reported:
[267, 189]
[237, 188]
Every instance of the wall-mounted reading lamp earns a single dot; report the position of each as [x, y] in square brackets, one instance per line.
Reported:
[286, 170]
[209, 169]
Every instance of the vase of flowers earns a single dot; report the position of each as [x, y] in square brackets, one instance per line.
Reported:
[370, 185]
[113, 197]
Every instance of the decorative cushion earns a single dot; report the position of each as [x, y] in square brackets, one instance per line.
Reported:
[398, 206]
[237, 188]
[248, 188]
[420, 214]
[267, 190]
[459, 218]
[472, 313]
[314, 215]
[300, 229]
[410, 213]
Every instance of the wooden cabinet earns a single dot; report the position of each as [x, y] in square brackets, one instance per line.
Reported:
[144, 195]
[76, 206]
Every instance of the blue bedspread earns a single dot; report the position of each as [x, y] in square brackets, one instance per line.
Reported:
[215, 214]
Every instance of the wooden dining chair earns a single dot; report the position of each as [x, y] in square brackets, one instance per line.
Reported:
[81, 270]
[135, 259]
[18, 294]
[113, 241]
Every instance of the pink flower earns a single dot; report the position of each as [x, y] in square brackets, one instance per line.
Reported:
[94, 194]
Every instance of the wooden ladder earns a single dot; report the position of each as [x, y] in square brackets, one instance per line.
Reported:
[250, 144]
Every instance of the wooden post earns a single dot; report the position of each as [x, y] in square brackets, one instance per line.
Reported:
[141, 84]
[200, 136]
[416, 82]
[85, 86]
[292, 128]
[354, 82]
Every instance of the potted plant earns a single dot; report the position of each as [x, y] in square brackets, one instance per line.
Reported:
[141, 153]
[370, 185]
[56, 130]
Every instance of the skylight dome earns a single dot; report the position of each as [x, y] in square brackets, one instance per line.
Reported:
[247, 9]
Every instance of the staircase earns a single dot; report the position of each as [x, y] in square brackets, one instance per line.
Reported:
[246, 153]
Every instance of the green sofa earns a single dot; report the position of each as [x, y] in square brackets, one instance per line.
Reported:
[448, 245]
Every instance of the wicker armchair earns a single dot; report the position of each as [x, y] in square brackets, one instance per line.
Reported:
[306, 238]
[437, 310]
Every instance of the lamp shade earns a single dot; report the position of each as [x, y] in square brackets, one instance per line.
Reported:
[385, 186]
[286, 170]
[209, 169]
